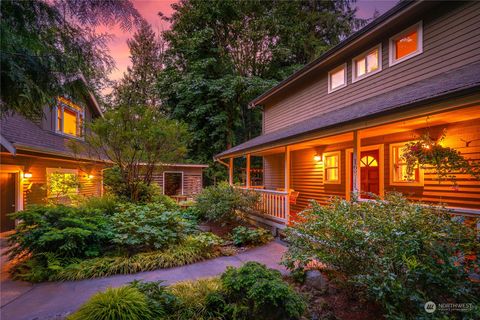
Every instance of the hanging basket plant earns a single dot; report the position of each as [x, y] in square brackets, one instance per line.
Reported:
[446, 162]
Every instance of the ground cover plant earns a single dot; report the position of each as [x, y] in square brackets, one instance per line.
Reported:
[249, 292]
[98, 239]
[397, 253]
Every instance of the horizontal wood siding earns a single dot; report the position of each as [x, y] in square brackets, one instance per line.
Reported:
[192, 179]
[35, 191]
[464, 137]
[307, 178]
[451, 40]
[307, 174]
[274, 171]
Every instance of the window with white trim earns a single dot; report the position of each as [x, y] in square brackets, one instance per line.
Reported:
[337, 78]
[398, 167]
[406, 44]
[331, 161]
[69, 118]
[368, 63]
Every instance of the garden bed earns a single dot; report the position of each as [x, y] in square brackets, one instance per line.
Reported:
[103, 237]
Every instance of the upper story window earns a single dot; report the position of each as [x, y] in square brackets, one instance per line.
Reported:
[70, 118]
[337, 78]
[368, 63]
[398, 172]
[406, 44]
[331, 162]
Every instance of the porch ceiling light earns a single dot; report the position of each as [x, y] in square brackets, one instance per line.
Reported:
[317, 157]
[27, 175]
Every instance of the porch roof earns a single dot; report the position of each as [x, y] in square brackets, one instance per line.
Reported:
[457, 81]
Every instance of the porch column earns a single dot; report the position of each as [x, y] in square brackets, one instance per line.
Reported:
[287, 182]
[230, 172]
[356, 162]
[247, 170]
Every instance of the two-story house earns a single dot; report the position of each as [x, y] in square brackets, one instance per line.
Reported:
[34, 151]
[341, 122]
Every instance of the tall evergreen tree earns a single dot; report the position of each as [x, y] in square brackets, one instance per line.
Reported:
[138, 85]
[223, 53]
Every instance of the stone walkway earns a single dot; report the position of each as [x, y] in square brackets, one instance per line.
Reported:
[24, 301]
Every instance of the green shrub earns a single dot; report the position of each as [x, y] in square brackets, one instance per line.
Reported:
[249, 236]
[255, 292]
[63, 231]
[115, 304]
[223, 203]
[161, 301]
[106, 204]
[169, 203]
[194, 248]
[140, 227]
[401, 254]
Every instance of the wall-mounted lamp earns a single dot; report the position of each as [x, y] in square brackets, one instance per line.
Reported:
[27, 175]
[89, 176]
[317, 157]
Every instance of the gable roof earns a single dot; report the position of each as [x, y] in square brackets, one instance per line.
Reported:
[24, 134]
[461, 80]
[377, 23]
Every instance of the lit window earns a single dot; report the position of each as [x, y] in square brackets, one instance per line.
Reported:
[62, 183]
[69, 118]
[332, 167]
[337, 78]
[368, 161]
[406, 44]
[398, 170]
[367, 63]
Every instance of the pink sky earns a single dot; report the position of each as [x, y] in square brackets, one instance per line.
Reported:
[149, 10]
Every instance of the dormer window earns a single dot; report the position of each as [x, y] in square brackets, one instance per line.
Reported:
[337, 78]
[368, 63]
[406, 44]
[70, 118]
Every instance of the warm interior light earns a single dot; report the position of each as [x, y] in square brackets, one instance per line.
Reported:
[27, 175]
[90, 176]
[317, 158]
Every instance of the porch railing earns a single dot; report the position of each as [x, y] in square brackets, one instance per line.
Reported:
[274, 204]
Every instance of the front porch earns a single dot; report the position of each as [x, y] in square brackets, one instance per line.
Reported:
[365, 161]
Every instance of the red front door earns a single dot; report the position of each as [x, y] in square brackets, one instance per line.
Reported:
[369, 173]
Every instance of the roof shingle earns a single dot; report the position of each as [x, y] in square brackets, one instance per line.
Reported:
[467, 77]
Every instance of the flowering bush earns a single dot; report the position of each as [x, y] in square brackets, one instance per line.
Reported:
[399, 253]
[445, 161]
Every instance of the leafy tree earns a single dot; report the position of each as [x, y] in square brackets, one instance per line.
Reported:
[138, 86]
[44, 43]
[135, 140]
[221, 54]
